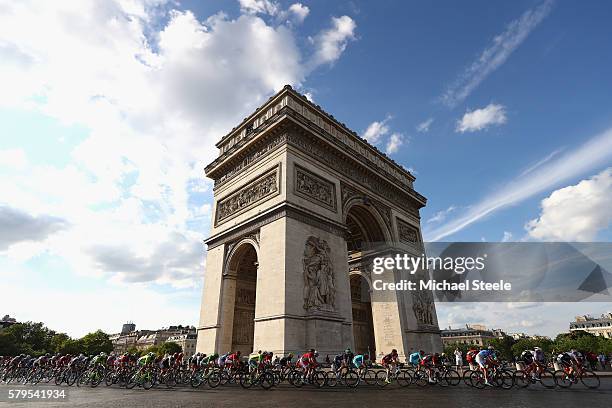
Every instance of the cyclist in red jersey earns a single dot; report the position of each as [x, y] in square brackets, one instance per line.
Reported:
[389, 362]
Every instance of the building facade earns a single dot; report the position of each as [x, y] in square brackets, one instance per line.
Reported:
[187, 342]
[601, 326]
[473, 335]
[302, 205]
[143, 339]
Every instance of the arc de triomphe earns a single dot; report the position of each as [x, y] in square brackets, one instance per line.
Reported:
[301, 206]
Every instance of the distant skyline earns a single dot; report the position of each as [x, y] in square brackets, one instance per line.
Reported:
[110, 111]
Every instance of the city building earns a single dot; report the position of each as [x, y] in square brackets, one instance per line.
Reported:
[601, 326]
[130, 338]
[472, 334]
[305, 200]
[7, 321]
[187, 341]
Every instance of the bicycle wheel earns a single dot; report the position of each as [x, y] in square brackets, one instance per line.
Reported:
[562, 379]
[350, 379]
[266, 380]
[505, 379]
[246, 380]
[452, 378]
[331, 379]
[520, 379]
[370, 377]
[318, 378]
[196, 380]
[131, 382]
[466, 378]
[421, 378]
[147, 381]
[477, 380]
[589, 379]
[404, 378]
[547, 379]
[381, 378]
[214, 379]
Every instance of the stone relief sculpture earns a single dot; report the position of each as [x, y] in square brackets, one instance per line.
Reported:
[247, 196]
[314, 188]
[422, 306]
[319, 284]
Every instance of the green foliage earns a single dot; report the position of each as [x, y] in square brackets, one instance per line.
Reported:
[503, 346]
[170, 347]
[35, 339]
[151, 349]
[96, 342]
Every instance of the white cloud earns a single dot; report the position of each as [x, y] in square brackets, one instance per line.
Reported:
[376, 130]
[575, 213]
[394, 143]
[299, 11]
[592, 154]
[542, 161]
[507, 237]
[441, 215]
[330, 43]
[154, 99]
[14, 159]
[423, 127]
[496, 54]
[479, 119]
[18, 226]
[259, 6]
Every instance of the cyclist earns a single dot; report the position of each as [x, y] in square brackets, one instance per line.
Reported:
[415, 358]
[389, 362]
[233, 359]
[308, 361]
[222, 359]
[486, 358]
[429, 362]
[348, 357]
[145, 361]
[285, 360]
[255, 359]
[470, 357]
[360, 361]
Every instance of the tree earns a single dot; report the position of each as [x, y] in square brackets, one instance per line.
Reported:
[96, 342]
[170, 347]
[503, 346]
[28, 338]
[151, 349]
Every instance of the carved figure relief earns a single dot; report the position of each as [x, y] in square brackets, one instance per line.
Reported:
[247, 196]
[315, 188]
[319, 281]
[422, 306]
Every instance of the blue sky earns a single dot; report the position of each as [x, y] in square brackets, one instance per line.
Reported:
[110, 110]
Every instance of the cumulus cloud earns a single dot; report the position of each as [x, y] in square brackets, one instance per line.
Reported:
[155, 88]
[259, 6]
[394, 143]
[575, 213]
[14, 159]
[423, 127]
[479, 119]
[18, 226]
[497, 53]
[299, 11]
[507, 237]
[330, 43]
[376, 130]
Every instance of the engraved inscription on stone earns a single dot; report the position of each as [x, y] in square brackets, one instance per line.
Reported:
[315, 188]
[249, 195]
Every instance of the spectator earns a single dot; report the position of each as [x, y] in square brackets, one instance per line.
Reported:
[602, 360]
[459, 359]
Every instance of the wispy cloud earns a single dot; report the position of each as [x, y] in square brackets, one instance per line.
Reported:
[441, 215]
[480, 119]
[592, 154]
[496, 54]
[542, 161]
[423, 127]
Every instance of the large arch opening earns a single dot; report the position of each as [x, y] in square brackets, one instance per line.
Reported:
[243, 265]
[365, 235]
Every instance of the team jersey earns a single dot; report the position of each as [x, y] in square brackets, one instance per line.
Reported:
[415, 358]
[484, 354]
[388, 358]
[144, 360]
[358, 360]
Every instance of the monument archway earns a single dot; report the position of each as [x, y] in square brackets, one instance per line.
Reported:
[302, 204]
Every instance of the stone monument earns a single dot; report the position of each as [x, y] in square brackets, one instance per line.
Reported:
[301, 207]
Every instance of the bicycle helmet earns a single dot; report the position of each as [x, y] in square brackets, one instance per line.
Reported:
[491, 348]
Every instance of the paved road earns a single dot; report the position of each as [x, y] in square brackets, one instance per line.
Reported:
[287, 396]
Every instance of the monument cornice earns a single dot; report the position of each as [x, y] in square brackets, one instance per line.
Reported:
[288, 101]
